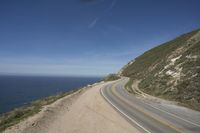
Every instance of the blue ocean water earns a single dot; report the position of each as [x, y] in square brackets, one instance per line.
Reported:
[16, 91]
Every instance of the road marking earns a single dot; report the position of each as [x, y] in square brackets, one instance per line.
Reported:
[144, 112]
[173, 115]
[170, 113]
[124, 113]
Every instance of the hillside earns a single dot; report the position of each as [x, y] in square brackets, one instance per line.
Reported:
[170, 71]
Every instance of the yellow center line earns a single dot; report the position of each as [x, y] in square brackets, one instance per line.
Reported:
[145, 112]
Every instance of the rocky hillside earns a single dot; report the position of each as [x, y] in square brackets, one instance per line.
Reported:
[170, 70]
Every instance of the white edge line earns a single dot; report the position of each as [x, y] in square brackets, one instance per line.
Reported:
[123, 112]
[173, 115]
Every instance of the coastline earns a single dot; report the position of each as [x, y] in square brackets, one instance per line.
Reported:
[20, 90]
[15, 116]
[82, 111]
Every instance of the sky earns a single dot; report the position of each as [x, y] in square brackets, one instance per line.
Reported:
[86, 37]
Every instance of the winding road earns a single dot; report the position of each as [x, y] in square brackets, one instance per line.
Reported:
[148, 116]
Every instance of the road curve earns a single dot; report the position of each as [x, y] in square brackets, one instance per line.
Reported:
[147, 117]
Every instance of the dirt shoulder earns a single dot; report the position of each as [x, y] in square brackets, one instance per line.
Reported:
[82, 112]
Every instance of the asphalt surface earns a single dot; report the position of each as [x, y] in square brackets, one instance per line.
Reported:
[150, 117]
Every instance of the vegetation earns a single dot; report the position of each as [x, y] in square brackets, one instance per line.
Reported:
[13, 117]
[141, 65]
[112, 77]
[128, 86]
[170, 70]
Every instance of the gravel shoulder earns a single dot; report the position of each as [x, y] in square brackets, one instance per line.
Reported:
[85, 111]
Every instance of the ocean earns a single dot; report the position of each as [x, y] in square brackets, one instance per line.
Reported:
[17, 91]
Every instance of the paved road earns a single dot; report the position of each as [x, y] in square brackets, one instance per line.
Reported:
[150, 117]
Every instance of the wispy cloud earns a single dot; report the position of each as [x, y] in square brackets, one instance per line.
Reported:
[95, 21]
[112, 5]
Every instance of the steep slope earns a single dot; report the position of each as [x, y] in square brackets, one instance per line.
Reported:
[171, 70]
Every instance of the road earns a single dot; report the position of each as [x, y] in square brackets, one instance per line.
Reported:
[150, 117]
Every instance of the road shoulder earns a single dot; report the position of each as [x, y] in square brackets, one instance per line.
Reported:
[84, 112]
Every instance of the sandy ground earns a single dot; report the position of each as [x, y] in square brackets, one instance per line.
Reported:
[83, 112]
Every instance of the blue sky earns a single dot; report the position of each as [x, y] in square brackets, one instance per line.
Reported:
[86, 37]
